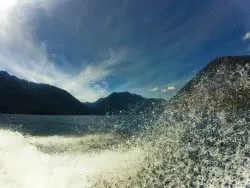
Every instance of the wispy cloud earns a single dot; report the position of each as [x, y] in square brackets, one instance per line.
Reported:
[22, 55]
[163, 90]
[154, 89]
[246, 36]
[171, 88]
[89, 83]
[168, 89]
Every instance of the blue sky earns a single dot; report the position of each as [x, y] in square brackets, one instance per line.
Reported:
[94, 47]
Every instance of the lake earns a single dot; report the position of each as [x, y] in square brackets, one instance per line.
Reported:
[73, 125]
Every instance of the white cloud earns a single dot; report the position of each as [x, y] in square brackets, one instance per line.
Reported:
[163, 90]
[154, 89]
[246, 36]
[22, 55]
[171, 88]
[90, 76]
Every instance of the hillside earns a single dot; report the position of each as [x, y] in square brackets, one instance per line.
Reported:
[22, 97]
[126, 103]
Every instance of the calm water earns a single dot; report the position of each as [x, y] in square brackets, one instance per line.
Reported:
[73, 125]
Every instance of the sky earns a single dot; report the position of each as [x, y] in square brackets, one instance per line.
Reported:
[92, 48]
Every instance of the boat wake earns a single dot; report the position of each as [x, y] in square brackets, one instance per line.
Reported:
[23, 164]
[195, 152]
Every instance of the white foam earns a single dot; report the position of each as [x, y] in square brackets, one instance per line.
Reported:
[22, 165]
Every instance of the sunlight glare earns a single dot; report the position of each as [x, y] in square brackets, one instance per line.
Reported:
[6, 4]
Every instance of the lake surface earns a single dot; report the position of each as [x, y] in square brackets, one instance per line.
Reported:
[73, 125]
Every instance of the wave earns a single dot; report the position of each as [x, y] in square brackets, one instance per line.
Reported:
[24, 165]
[195, 152]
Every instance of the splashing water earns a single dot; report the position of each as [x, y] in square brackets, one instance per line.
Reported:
[196, 142]
[23, 165]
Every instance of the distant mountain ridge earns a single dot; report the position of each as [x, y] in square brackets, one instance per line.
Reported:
[223, 84]
[22, 97]
[124, 103]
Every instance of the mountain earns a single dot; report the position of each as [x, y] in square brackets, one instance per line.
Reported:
[124, 103]
[224, 84]
[22, 97]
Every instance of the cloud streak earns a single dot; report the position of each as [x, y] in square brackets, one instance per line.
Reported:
[154, 89]
[246, 36]
[22, 55]
[163, 90]
[171, 88]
